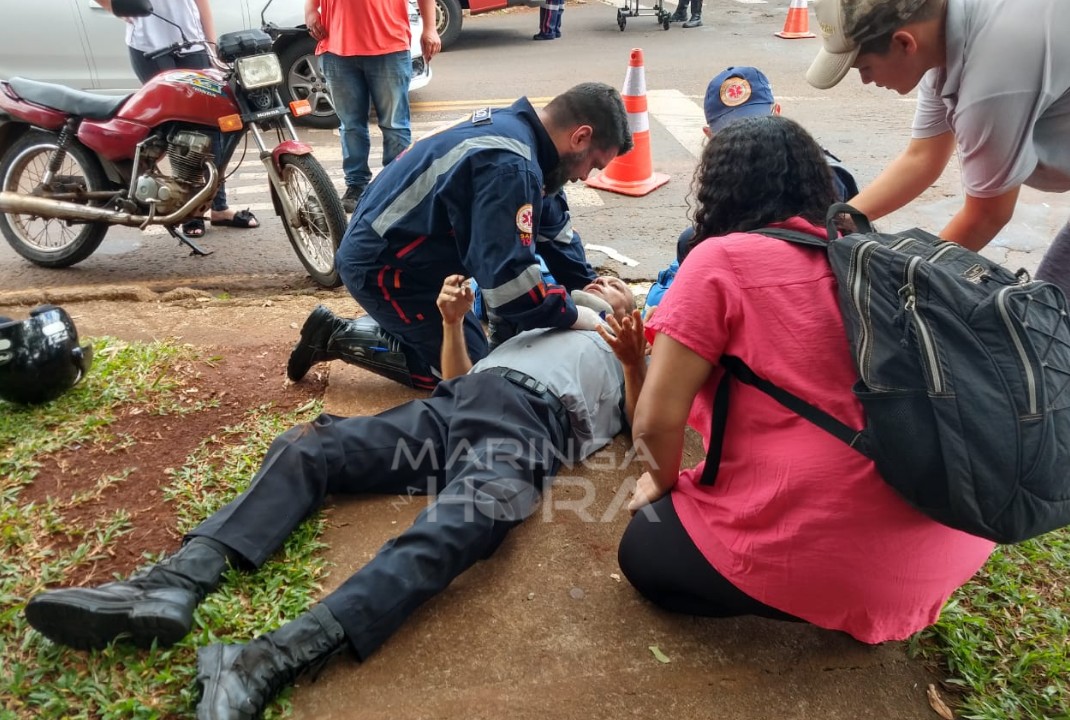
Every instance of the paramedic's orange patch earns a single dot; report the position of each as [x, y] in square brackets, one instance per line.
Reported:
[524, 220]
[735, 91]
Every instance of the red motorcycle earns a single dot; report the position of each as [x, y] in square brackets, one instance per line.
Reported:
[74, 163]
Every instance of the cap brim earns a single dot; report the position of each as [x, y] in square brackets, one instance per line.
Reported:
[828, 69]
[738, 113]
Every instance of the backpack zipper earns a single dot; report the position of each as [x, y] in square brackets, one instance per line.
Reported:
[1030, 379]
[942, 251]
[861, 252]
[925, 337]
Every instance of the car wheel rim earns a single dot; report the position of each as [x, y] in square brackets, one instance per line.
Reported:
[442, 18]
[307, 82]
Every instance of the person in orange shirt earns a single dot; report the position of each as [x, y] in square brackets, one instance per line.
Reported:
[364, 47]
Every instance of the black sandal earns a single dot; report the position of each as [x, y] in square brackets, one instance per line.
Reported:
[242, 219]
[194, 228]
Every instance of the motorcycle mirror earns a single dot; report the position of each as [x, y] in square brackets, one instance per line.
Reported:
[131, 8]
[263, 12]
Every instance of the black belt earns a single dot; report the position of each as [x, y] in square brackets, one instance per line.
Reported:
[536, 387]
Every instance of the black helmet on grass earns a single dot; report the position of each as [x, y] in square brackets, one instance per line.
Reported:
[40, 358]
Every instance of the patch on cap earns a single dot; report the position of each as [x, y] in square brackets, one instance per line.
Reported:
[523, 219]
[735, 91]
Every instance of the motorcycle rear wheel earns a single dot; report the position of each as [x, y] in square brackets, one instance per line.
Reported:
[322, 219]
[50, 242]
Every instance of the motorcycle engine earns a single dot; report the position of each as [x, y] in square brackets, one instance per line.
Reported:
[187, 153]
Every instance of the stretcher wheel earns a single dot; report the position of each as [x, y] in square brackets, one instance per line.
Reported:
[621, 20]
[665, 22]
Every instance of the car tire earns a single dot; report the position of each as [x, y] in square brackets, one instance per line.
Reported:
[305, 80]
[448, 20]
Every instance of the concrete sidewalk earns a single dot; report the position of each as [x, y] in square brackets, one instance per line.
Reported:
[548, 628]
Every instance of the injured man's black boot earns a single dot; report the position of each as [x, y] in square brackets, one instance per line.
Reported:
[360, 342]
[238, 681]
[154, 604]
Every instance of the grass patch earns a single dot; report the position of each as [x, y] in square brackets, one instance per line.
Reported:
[1005, 635]
[42, 680]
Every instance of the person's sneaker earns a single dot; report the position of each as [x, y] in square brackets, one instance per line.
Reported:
[543, 36]
[351, 198]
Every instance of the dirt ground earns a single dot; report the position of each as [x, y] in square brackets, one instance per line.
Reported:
[241, 366]
[544, 628]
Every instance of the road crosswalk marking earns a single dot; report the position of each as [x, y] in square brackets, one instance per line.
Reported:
[678, 113]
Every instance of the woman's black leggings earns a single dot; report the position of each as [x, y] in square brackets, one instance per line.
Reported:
[658, 557]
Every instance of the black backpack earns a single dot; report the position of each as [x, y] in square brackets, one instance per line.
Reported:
[964, 379]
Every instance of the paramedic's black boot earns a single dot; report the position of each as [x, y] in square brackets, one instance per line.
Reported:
[696, 17]
[312, 347]
[155, 604]
[361, 342]
[681, 12]
[238, 681]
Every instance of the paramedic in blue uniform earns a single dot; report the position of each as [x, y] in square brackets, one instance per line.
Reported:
[467, 201]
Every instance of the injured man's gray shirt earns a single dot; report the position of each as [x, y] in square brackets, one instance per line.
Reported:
[580, 369]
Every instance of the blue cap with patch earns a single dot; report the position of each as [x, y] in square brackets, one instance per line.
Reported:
[736, 93]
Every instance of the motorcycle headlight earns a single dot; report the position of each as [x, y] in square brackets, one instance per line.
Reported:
[257, 71]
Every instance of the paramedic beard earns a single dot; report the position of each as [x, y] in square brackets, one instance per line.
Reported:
[565, 171]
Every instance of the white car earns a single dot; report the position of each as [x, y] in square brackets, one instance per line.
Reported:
[79, 44]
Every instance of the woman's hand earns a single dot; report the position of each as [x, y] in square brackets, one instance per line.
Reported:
[455, 299]
[626, 338]
[646, 492]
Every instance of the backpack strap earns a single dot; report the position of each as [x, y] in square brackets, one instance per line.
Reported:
[741, 371]
[793, 236]
[862, 223]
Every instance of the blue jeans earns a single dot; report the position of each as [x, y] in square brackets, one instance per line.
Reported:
[356, 83]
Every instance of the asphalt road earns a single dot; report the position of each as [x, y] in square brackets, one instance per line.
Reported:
[494, 62]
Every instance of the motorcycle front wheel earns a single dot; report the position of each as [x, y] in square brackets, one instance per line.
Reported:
[44, 241]
[321, 219]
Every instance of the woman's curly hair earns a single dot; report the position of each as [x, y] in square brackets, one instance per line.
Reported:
[758, 171]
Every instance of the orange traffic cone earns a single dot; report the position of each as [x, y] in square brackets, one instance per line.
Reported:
[797, 24]
[633, 172]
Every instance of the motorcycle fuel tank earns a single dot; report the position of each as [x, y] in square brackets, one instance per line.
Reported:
[190, 96]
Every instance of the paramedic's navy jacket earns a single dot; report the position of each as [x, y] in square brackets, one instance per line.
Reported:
[467, 200]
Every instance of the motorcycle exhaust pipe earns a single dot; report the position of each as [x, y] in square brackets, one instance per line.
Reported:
[19, 204]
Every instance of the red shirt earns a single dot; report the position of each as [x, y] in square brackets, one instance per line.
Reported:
[796, 519]
[364, 27]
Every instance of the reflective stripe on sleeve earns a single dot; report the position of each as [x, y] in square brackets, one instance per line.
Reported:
[409, 198]
[508, 291]
[564, 237]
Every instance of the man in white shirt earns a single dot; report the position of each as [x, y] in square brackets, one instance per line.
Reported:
[993, 79]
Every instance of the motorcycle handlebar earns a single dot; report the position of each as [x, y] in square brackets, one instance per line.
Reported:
[173, 48]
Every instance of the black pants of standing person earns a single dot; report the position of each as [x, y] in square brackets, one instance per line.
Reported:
[145, 69]
[483, 444]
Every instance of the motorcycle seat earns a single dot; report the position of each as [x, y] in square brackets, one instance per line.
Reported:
[68, 100]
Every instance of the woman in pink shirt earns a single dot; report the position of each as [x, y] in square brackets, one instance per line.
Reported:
[797, 525]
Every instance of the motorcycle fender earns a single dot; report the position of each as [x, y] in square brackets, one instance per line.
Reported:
[9, 132]
[47, 118]
[289, 147]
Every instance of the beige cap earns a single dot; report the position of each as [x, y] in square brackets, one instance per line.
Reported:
[845, 25]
